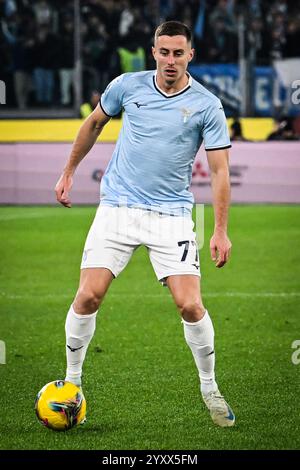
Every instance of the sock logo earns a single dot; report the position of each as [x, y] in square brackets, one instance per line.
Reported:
[212, 352]
[74, 349]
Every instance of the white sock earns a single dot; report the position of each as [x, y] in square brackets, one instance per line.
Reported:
[200, 338]
[79, 332]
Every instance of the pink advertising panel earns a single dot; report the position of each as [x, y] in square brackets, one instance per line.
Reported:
[260, 172]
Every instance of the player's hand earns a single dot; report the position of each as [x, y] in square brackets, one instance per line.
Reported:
[62, 189]
[220, 248]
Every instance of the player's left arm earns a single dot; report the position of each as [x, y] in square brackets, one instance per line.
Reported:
[220, 245]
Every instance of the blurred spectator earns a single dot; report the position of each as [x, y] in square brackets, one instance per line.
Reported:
[256, 41]
[18, 31]
[276, 45]
[6, 69]
[283, 130]
[279, 23]
[66, 61]
[43, 12]
[126, 19]
[9, 7]
[236, 131]
[45, 61]
[96, 55]
[224, 12]
[22, 70]
[88, 107]
[255, 8]
[292, 45]
[165, 9]
[132, 57]
[222, 44]
[277, 7]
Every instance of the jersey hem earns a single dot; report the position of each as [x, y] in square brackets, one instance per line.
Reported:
[100, 104]
[163, 279]
[86, 266]
[218, 148]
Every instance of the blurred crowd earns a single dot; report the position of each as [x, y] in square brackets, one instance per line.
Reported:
[37, 40]
[284, 128]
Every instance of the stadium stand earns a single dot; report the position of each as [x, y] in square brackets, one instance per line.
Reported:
[38, 62]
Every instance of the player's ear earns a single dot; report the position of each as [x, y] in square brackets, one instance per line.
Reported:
[153, 52]
[192, 52]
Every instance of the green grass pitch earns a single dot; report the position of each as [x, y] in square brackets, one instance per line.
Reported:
[140, 381]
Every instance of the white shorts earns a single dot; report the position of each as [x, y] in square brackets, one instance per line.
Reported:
[117, 231]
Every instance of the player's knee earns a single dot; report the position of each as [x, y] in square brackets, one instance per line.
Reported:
[87, 301]
[192, 311]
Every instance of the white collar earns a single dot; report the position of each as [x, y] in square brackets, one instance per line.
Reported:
[177, 92]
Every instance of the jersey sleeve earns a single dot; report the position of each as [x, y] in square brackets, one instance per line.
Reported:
[111, 100]
[215, 131]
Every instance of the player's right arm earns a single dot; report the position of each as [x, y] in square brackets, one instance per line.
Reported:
[87, 136]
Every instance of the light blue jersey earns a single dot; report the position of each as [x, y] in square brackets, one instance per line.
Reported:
[151, 166]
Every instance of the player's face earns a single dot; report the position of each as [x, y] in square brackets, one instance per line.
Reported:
[172, 55]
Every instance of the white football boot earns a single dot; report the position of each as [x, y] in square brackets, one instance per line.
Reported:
[220, 411]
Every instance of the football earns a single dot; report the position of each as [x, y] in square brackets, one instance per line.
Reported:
[60, 405]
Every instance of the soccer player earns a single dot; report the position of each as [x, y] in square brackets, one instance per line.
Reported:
[144, 199]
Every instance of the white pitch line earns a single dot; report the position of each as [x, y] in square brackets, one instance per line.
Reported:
[36, 215]
[26, 215]
[4, 218]
[252, 294]
[162, 296]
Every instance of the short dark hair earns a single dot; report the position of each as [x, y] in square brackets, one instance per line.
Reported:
[173, 28]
